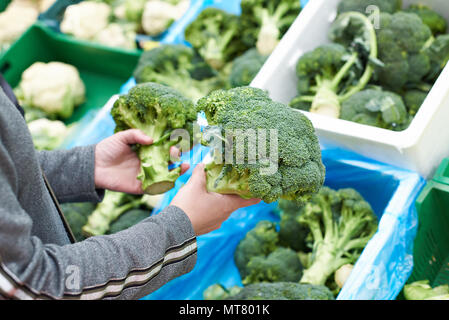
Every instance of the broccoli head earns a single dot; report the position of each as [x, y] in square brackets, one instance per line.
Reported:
[402, 39]
[341, 223]
[331, 73]
[176, 66]
[156, 110]
[76, 215]
[128, 219]
[282, 264]
[271, 291]
[264, 22]
[431, 18]
[245, 68]
[110, 209]
[276, 153]
[438, 53]
[259, 241]
[363, 6]
[292, 234]
[215, 34]
[414, 99]
[377, 108]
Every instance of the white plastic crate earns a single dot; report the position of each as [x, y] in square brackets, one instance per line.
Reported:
[419, 148]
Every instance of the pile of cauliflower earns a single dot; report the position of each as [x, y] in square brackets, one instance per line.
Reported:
[49, 93]
[117, 24]
[18, 16]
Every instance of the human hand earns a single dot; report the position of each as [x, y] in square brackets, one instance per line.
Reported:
[117, 165]
[206, 210]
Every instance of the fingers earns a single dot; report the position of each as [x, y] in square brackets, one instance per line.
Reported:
[175, 154]
[134, 136]
[184, 168]
[198, 178]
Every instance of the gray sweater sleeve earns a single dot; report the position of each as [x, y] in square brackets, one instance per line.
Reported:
[71, 174]
[127, 265]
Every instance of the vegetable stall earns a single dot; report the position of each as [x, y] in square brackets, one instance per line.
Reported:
[348, 210]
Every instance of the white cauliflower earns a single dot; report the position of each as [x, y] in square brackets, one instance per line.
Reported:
[116, 35]
[158, 15]
[15, 20]
[54, 87]
[86, 19]
[48, 134]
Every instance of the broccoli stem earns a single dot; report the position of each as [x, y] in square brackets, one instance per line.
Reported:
[185, 85]
[155, 176]
[213, 51]
[221, 181]
[270, 32]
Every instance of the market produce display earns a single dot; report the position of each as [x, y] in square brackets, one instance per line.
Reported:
[17, 17]
[374, 75]
[315, 243]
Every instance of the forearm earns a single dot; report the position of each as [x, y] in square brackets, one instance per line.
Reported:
[126, 265]
[71, 174]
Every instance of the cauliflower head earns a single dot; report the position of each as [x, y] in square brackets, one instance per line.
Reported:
[86, 19]
[54, 87]
[48, 134]
[14, 21]
[158, 15]
[116, 35]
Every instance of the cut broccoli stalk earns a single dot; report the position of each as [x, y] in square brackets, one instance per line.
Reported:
[113, 205]
[332, 65]
[222, 179]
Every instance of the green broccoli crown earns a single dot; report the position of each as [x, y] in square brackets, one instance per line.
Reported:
[261, 240]
[374, 107]
[431, 18]
[177, 66]
[128, 219]
[215, 35]
[282, 264]
[283, 291]
[245, 68]
[402, 39]
[157, 110]
[414, 99]
[438, 53]
[363, 6]
[331, 73]
[291, 168]
[76, 215]
[341, 223]
[264, 22]
[292, 234]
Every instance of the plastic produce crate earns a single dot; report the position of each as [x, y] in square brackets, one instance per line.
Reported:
[55, 14]
[4, 4]
[431, 246]
[420, 148]
[103, 70]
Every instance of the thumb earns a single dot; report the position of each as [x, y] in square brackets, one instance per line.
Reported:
[134, 136]
[198, 178]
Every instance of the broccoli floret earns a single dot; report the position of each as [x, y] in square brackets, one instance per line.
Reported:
[287, 163]
[245, 68]
[178, 67]
[76, 215]
[156, 110]
[438, 53]
[402, 40]
[128, 219]
[341, 224]
[431, 18]
[219, 292]
[281, 291]
[282, 264]
[215, 34]
[114, 204]
[377, 108]
[421, 290]
[259, 241]
[414, 99]
[332, 73]
[292, 234]
[363, 6]
[264, 22]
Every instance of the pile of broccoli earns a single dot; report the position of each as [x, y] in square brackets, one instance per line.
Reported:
[374, 75]
[311, 249]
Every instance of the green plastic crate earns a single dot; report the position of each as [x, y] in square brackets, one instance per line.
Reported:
[431, 246]
[4, 4]
[103, 70]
